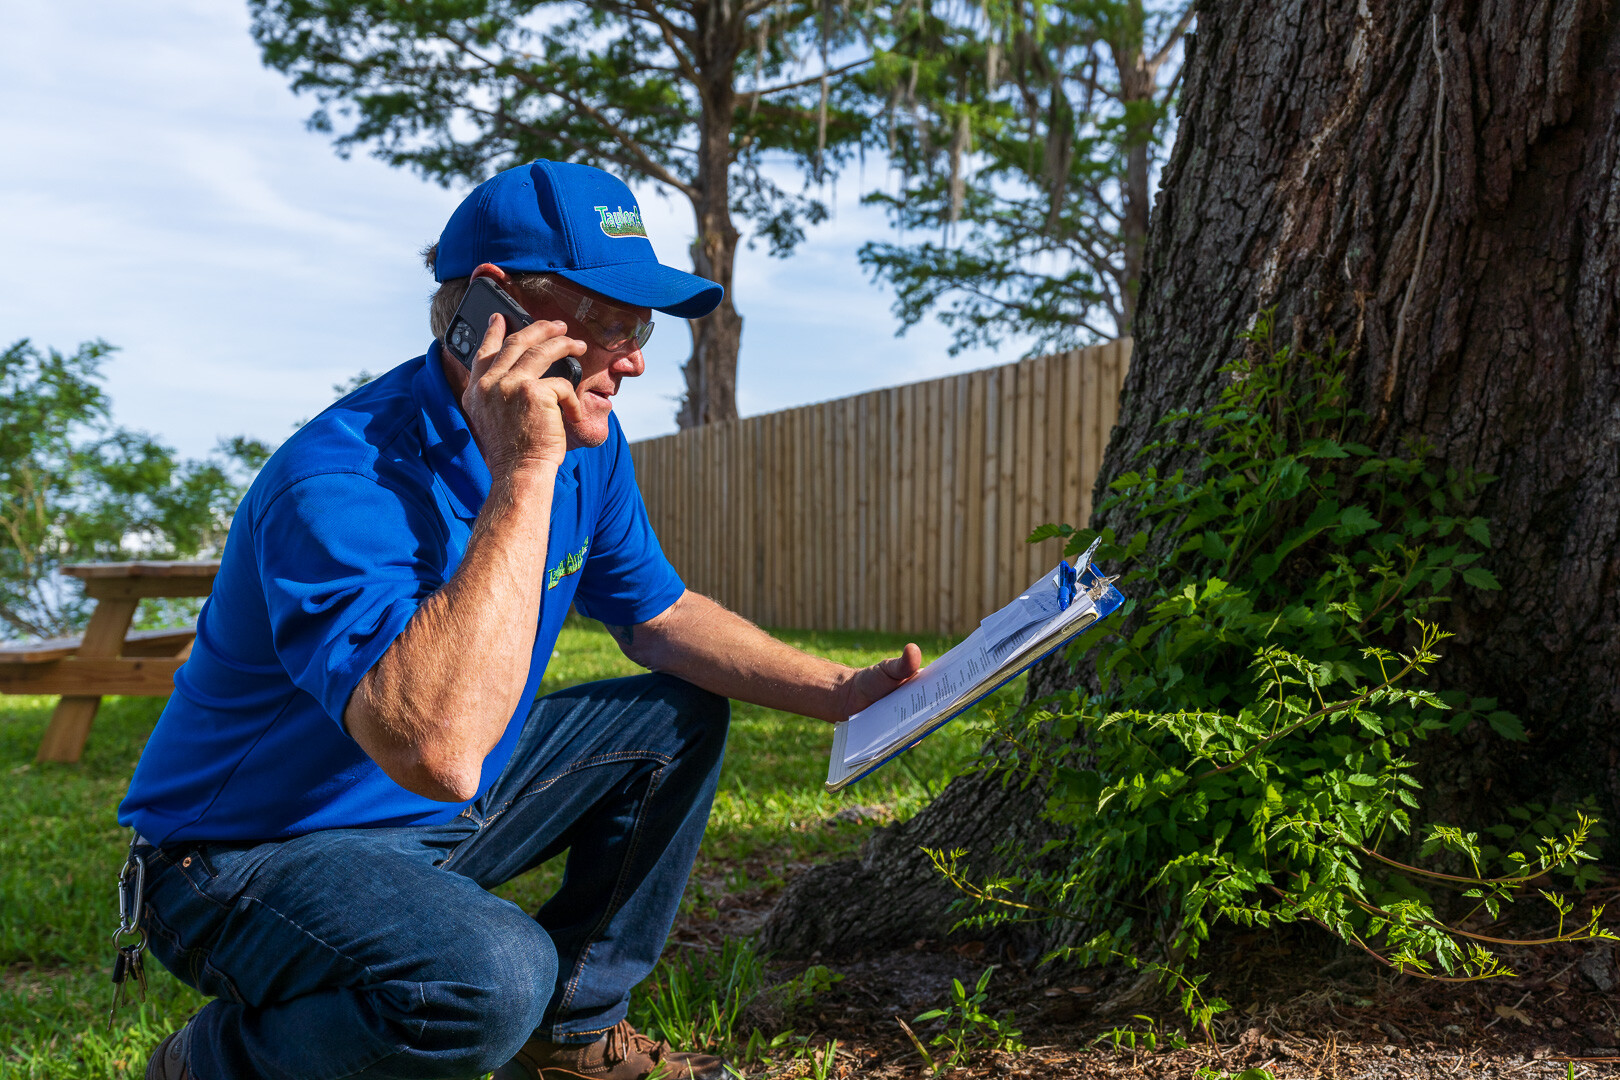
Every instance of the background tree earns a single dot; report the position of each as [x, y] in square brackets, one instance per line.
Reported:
[76, 487]
[696, 96]
[1060, 110]
[1434, 188]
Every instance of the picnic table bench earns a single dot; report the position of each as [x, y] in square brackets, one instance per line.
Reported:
[108, 659]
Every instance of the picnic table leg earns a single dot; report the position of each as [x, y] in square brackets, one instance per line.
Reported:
[70, 723]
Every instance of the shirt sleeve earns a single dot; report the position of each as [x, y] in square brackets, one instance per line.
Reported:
[626, 578]
[344, 563]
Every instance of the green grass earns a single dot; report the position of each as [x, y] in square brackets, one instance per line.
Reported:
[60, 847]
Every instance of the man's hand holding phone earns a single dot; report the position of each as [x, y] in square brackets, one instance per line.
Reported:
[518, 408]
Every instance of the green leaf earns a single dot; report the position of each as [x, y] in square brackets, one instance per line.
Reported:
[1356, 521]
[1081, 785]
[1480, 578]
[1325, 448]
[1479, 530]
[1507, 725]
[1046, 532]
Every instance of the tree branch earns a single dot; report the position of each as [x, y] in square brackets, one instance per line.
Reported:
[662, 175]
[647, 166]
[753, 7]
[646, 12]
[811, 80]
[1170, 41]
[670, 32]
[639, 160]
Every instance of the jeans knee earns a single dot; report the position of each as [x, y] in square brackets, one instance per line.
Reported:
[690, 700]
[493, 997]
[703, 716]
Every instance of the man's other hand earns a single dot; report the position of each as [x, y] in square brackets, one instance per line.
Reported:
[873, 683]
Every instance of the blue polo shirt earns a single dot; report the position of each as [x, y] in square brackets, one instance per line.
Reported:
[352, 524]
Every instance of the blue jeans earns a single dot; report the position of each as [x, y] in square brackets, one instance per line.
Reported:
[380, 952]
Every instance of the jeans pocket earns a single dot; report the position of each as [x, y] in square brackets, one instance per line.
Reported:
[221, 871]
[182, 919]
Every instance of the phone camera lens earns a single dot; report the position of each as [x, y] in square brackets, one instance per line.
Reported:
[461, 337]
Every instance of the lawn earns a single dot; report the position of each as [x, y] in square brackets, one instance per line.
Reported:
[60, 846]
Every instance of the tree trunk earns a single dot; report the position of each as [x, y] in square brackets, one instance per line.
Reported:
[1480, 315]
[711, 372]
[1138, 87]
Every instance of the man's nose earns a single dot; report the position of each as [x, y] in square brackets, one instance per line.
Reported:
[630, 364]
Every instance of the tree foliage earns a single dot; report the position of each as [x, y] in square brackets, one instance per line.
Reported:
[696, 96]
[1059, 109]
[1248, 753]
[76, 487]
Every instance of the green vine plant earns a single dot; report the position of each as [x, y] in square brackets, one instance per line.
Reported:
[1248, 749]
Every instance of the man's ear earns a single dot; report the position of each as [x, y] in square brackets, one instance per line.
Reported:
[489, 270]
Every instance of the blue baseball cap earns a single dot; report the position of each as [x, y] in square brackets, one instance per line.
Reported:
[576, 222]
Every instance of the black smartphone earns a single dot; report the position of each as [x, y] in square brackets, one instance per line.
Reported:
[467, 326]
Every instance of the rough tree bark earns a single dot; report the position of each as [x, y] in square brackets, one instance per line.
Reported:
[1480, 312]
[826, 909]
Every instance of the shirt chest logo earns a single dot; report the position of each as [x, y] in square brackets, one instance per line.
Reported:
[570, 564]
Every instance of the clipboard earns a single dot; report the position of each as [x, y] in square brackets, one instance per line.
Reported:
[1091, 590]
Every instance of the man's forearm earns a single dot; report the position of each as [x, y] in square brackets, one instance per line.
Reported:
[438, 700]
[708, 646]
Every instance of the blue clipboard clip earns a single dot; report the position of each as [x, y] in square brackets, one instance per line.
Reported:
[1073, 576]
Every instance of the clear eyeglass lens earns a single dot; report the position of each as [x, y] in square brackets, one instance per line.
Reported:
[614, 334]
[622, 333]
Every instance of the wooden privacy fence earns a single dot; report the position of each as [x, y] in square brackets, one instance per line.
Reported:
[903, 509]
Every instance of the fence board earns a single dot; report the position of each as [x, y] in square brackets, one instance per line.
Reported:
[1032, 446]
[1052, 459]
[902, 509]
[991, 497]
[1009, 545]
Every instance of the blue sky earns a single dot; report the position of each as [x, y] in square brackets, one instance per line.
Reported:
[160, 191]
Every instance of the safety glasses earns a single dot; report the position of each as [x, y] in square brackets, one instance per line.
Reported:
[610, 326]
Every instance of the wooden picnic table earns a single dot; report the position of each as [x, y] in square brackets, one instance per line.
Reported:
[108, 659]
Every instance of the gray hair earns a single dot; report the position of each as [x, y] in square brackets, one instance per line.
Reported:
[448, 296]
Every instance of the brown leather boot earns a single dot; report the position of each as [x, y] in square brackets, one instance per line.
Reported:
[168, 1061]
[624, 1054]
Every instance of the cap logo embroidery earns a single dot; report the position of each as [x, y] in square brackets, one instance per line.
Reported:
[617, 223]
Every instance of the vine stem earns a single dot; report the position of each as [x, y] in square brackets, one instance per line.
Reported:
[1355, 939]
[1518, 879]
[1586, 933]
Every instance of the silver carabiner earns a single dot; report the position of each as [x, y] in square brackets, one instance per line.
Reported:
[131, 896]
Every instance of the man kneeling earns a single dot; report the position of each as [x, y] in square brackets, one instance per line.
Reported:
[354, 754]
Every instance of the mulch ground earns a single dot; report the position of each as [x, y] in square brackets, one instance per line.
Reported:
[1301, 1007]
